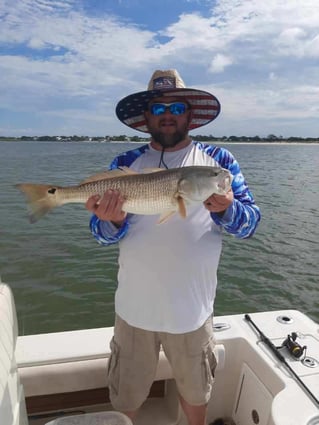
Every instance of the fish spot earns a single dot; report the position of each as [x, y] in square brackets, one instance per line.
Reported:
[52, 190]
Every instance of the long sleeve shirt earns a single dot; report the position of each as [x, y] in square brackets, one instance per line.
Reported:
[168, 273]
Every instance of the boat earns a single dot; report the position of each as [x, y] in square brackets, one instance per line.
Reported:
[267, 374]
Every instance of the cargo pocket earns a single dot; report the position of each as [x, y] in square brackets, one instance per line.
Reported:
[209, 363]
[113, 368]
[212, 361]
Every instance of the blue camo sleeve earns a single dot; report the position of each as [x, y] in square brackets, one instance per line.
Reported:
[104, 231]
[242, 217]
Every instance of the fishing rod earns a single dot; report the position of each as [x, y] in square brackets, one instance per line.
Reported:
[280, 357]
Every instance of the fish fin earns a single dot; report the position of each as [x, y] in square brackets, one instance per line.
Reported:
[165, 217]
[127, 170]
[181, 209]
[181, 206]
[40, 198]
[109, 174]
[152, 170]
[118, 172]
[147, 170]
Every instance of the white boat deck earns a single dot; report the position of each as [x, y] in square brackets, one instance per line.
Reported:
[63, 372]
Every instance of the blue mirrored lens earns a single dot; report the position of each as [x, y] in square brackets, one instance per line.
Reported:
[158, 108]
[176, 108]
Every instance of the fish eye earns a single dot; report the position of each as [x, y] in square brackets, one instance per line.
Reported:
[52, 190]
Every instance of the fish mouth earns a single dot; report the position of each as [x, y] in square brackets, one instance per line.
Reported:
[225, 184]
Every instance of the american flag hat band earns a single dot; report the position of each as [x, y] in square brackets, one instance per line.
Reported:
[205, 106]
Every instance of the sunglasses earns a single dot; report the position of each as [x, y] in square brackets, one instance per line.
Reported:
[175, 108]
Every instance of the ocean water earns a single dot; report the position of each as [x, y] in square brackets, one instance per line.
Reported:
[63, 280]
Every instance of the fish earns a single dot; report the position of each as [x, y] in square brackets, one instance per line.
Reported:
[150, 192]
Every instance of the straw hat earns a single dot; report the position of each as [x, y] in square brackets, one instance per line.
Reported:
[130, 110]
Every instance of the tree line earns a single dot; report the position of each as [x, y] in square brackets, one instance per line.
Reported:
[198, 137]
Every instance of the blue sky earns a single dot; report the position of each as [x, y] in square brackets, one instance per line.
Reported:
[66, 63]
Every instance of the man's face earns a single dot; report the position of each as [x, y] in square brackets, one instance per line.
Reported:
[168, 129]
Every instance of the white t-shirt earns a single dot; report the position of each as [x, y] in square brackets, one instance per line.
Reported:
[168, 272]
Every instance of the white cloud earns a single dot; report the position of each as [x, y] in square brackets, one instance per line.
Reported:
[219, 63]
[260, 58]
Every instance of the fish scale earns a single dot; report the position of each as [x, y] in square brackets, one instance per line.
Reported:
[141, 198]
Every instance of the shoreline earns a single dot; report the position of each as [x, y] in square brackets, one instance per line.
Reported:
[216, 142]
[267, 143]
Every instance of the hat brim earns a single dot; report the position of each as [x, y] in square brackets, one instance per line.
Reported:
[205, 107]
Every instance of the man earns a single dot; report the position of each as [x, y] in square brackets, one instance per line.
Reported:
[167, 273]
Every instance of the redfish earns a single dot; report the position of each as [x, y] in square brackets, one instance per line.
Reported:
[154, 191]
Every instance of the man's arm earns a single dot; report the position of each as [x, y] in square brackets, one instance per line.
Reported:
[108, 223]
[236, 212]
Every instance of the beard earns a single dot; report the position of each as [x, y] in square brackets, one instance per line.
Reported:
[168, 140]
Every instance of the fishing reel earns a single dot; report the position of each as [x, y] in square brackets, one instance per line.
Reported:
[294, 348]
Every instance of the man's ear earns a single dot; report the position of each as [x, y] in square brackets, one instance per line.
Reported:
[146, 116]
[190, 116]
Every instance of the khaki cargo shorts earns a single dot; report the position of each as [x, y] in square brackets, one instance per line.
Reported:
[134, 357]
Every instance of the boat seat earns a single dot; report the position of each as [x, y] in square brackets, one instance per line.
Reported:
[12, 401]
[74, 361]
[100, 418]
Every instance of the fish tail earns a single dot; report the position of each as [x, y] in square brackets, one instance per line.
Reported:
[40, 198]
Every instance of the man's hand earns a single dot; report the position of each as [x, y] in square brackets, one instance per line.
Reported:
[107, 208]
[219, 203]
